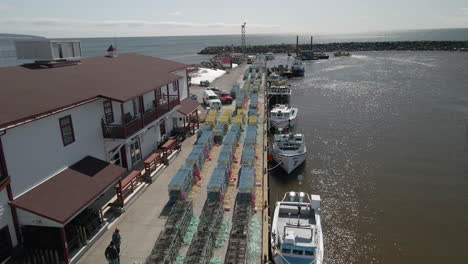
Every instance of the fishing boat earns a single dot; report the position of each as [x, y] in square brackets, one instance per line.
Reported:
[283, 116]
[296, 231]
[289, 150]
[322, 56]
[269, 56]
[342, 54]
[297, 69]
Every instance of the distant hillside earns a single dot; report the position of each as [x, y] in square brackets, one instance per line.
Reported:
[18, 36]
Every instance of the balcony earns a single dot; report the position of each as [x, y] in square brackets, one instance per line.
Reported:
[136, 123]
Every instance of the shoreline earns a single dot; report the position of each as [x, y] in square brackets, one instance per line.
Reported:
[345, 46]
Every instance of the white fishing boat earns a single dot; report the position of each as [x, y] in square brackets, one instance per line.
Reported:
[282, 90]
[289, 150]
[296, 232]
[270, 56]
[283, 116]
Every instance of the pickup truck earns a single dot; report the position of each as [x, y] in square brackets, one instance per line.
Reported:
[225, 98]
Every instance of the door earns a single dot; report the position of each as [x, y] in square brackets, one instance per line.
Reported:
[135, 150]
[162, 128]
[123, 156]
[5, 244]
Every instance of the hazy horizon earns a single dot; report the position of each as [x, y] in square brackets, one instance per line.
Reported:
[143, 18]
[356, 34]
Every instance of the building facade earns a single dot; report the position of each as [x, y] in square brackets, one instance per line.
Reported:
[68, 134]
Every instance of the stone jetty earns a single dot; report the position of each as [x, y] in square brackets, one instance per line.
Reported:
[345, 46]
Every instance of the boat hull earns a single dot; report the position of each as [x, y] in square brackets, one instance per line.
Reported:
[279, 260]
[289, 162]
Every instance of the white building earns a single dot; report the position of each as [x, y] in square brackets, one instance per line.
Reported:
[63, 130]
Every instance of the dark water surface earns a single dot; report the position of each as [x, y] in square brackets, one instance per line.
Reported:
[387, 151]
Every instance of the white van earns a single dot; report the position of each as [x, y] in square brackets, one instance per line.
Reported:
[211, 99]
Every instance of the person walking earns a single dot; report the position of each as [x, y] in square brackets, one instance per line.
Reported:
[116, 238]
[111, 254]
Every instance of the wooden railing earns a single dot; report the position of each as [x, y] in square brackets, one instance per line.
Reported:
[127, 186]
[124, 131]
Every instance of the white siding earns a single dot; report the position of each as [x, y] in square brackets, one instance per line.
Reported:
[149, 140]
[183, 84]
[5, 216]
[27, 218]
[34, 151]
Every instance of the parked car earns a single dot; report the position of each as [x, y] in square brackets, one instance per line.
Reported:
[225, 98]
[193, 96]
[217, 91]
[211, 99]
[205, 83]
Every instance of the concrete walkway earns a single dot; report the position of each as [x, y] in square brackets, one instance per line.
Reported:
[140, 225]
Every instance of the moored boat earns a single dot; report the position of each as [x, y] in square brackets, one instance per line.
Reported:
[342, 54]
[297, 70]
[270, 56]
[283, 116]
[296, 231]
[289, 150]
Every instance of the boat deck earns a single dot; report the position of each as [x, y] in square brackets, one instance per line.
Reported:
[302, 226]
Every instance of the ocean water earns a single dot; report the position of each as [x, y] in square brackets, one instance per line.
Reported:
[387, 141]
[185, 48]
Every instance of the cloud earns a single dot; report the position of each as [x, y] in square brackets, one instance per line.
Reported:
[64, 22]
[463, 10]
[175, 13]
[5, 7]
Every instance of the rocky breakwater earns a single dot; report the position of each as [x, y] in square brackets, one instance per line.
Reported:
[345, 46]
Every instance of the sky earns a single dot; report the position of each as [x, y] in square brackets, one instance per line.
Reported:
[122, 18]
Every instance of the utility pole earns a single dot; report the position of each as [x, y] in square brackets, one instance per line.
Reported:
[243, 38]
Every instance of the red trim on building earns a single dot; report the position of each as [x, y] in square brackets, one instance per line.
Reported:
[63, 238]
[3, 169]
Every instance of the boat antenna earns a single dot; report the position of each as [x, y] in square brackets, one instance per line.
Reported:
[300, 177]
[297, 46]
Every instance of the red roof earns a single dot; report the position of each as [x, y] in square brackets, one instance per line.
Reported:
[26, 93]
[65, 194]
[188, 105]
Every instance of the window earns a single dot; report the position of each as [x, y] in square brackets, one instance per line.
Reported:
[297, 252]
[66, 128]
[135, 151]
[286, 250]
[174, 86]
[309, 253]
[108, 113]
